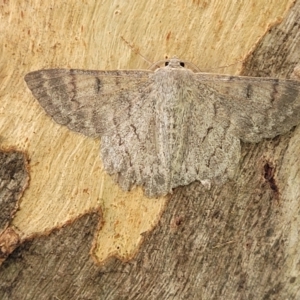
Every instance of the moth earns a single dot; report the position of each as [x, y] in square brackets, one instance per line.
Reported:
[169, 127]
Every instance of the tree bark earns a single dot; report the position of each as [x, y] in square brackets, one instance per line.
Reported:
[237, 241]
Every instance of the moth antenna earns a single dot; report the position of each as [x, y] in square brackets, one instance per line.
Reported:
[225, 66]
[156, 64]
[153, 65]
[136, 51]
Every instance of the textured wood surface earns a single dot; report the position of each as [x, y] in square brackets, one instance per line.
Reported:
[237, 242]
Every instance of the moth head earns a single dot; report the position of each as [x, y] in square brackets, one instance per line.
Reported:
[174, 63]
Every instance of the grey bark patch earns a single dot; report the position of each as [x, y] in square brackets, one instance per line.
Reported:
[13, 181]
